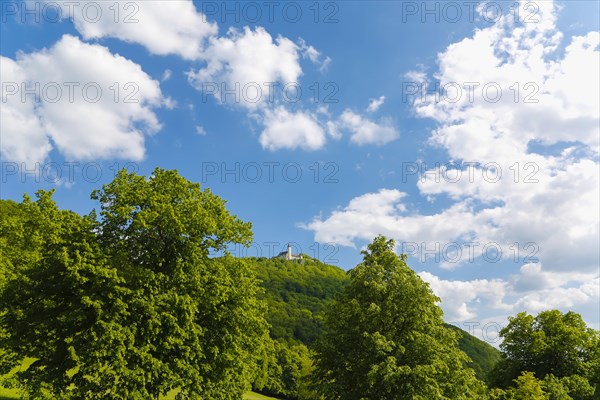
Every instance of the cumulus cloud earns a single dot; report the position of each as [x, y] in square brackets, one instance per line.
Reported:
[564, 298]
[245, 67]
[459, 298]
[23, 136]
[251, 69]
[467, 300]
[384, 212]
[249, 62]
[162, 27]
[290, 130]
[90, 104]
[505, 193]
[364, 131]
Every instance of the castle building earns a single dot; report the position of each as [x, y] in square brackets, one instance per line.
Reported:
[288, 254]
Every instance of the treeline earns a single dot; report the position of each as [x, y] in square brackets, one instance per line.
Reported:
[297, 296]
[126, 303]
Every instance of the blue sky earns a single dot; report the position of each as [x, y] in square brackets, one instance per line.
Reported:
[491, 187]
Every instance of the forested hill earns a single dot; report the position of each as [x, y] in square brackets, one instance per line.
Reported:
[484, 356]
[297, 293]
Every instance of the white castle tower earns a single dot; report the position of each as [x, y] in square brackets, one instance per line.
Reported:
[288, 255]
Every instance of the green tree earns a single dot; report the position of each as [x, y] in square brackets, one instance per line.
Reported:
[385, 337]
[550, 343]
[57, 297]
[579, 387]
[132, 306]
[287, 371]
[555, 388]
[528, 387]
[19, 239]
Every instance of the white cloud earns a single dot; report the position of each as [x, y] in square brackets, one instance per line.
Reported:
[251, 69]
[468, 300]
[90, 124]
[459, 298]
[539, 217]
[291, 130]
[162, 27]
[333, 130]
[23, 136]
[249, 62]
[418, 77]
[374, 104]
[544, 96]
[532, 277]
[364, 217]
[551, 200]
[200, 130]
[364, 131]
[564, 298]
[166, 75]
[314, 55]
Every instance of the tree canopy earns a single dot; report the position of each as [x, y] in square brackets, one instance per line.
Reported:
[550, 343]
[129, 305]
[557, 347]
[385, 338]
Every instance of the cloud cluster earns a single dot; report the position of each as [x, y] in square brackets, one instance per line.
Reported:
[248, 57]
[512, 100]
[244, 68]
[162, 27]
[252, 70]
[78, 98]
[532, 289]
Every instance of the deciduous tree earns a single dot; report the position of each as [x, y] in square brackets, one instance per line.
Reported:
[386, 339]
[131, 305]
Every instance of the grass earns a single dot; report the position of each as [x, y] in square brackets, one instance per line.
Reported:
[255, 396]
[6, 394]
[13, 394]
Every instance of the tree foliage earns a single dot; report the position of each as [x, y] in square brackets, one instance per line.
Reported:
[385, 337]
[528, 387]
[130, 306]
[553, 343]
[287, 371]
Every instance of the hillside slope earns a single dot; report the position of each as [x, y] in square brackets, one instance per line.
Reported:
[297, 294]
[484, 355]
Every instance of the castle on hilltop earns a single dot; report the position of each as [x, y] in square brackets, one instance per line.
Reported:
[288, 254]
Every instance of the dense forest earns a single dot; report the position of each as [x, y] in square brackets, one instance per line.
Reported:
[127, 303]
